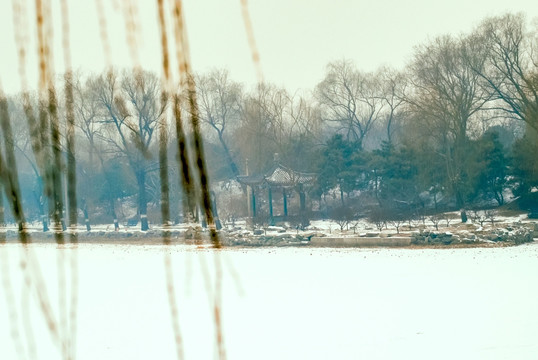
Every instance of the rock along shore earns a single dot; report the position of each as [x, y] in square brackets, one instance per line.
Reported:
[514, 234]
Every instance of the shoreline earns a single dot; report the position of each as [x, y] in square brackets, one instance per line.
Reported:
[420, 237]
[352, 243]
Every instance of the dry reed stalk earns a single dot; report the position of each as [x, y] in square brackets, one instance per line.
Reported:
[217, 305]
[8, 167]
[10, 183]
[20, 23]
[215, 297]
[163, 130]
[130, 17]
[71, 182]
[7, 286]
[163, 174]
[186, 75]
[103, 33]
[46, 135]
[52, 162]
[29, 265]
[33, 281]
[53, 176]
[172, 301]
[48, 119]
[27, 323]
[187, 78]
[183, 162]
[70, 119]
[187, 183]
[11, 304]
[251, 40]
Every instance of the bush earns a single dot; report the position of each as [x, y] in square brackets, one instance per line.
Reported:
[342, 216]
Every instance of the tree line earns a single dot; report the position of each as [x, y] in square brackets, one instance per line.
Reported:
[457, 127]
[460, 122]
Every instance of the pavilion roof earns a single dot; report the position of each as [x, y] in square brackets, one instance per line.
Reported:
[279, 175]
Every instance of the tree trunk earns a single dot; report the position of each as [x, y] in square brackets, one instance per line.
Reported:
[2, 218]
[196, 213]
[41, 206]
[463, 216]
[44, 221]
[142, 200]
[458, 163]
[218, 224]
[460, 203]
[86, 217]
[113, 213]
[253, 204]
[376, 188]
[499, 197]
[284, 197]
[270, 199]
[228, 156]
[163, 174]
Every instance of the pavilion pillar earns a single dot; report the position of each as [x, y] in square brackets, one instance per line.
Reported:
[285, 202]
[302, 199]
[270, 196]
[253, 204]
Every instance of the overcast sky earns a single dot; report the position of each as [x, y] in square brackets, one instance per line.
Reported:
[296, 38]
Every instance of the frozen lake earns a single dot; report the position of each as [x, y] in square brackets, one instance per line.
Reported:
[281, 303]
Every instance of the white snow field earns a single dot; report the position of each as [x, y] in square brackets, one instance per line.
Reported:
[280, 303]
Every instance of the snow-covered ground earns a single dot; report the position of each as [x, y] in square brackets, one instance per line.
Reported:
[285, 303]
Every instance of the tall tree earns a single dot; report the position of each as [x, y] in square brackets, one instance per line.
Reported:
[219, 99]
[393, 89]
[393, 176]
[337, 166]
[131, 108]
[510, 74]
[262, 126]
[525, 164]
[350, 99]
[304, 134]
[31, 142]
[511, 77]
[445, 99]
[88, 120]
[494, 171]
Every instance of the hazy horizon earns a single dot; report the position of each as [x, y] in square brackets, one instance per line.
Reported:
[296, 40]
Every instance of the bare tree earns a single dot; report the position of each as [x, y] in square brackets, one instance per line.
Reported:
[304, 133]
[88, 119]
[351, 99]
[261, 131]
[435, 219]
[29, 145]
[86, 107]
[274, 121]
[219, 100]
[305, 118]
[131, 110]
[478, 216]
[393, 86]
[510, 74]
[445, 99]
[343, 216]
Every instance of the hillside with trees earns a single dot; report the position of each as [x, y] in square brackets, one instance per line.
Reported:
[456, 129]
